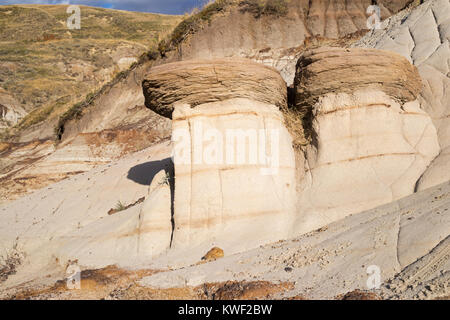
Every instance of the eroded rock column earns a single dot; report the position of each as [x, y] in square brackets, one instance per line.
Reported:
[234, 162]
[370, 140]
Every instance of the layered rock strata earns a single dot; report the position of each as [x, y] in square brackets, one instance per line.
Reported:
[422, 36]
[371, 141]
[234, 161]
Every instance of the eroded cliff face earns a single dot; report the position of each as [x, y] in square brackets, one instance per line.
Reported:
[271, 38]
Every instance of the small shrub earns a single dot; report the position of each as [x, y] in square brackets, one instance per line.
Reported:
[153, 54]
[259, 8]
[120, 206]
[192, 23]
[9, 264]
[297, 123]
[162, 48]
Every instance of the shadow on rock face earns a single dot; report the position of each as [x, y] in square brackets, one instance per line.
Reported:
[144, 173]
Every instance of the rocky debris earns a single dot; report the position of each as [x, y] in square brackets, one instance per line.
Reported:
[370, 140]
[426, 278]
[9, 264]
[329, 263]
[369, 146]
[359, 295]
[327, 70]
[342, 258]
[213, 254]
[245, 290]
[422, 36]
[71, 216]
[198, 82]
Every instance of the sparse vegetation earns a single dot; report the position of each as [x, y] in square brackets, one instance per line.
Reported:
[260, 8]
[191, 24]
[42, 61]
[297, 122]
[9, 263]
[119, 206]
[76, 110]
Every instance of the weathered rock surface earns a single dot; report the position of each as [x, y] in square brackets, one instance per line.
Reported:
[406, 239]
[225, 114]
[326, 70]
[69, 220]
[135, 234]
[25, 167]
[121, 107]
[239, 33]
[369, 145]
[235, 175]
[271, 40]
[197, 82]
[11, 112]
[422, 36]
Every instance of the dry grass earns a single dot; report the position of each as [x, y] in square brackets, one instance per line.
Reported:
[258, 8]
[296, 121]
[42, 61]
[9, 264]
[191, 24]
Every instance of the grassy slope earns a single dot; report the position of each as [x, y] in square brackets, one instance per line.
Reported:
[48, 67]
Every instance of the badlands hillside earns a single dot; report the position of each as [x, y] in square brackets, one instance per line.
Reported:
[134, 189]
[46, 67]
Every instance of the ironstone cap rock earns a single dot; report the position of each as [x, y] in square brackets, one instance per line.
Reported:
[196, 82]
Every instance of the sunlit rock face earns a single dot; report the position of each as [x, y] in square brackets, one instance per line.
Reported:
[234, 162]
[235, 175]
[422, 36]
[371, 141]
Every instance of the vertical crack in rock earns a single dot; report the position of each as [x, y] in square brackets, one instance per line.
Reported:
[171, 173]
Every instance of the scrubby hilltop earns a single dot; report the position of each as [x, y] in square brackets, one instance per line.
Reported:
[45, 67]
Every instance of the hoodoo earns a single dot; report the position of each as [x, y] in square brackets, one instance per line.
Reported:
[234, 161]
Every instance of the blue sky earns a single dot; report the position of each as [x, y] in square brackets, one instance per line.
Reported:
[157, 6]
